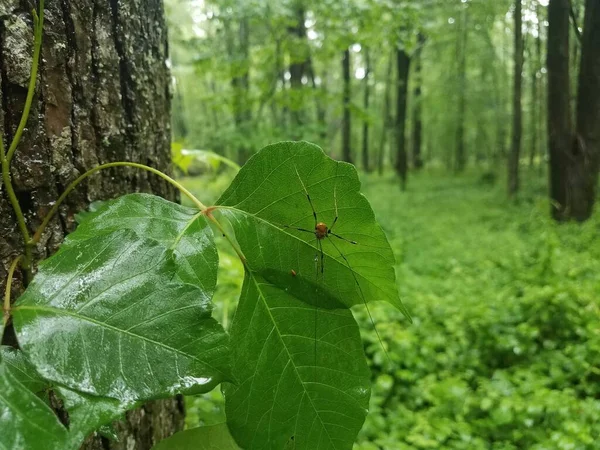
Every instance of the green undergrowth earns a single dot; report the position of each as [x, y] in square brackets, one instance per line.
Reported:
[504, 352]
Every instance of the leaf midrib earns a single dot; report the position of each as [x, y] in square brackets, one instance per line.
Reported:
[58, 311]
[279, 334]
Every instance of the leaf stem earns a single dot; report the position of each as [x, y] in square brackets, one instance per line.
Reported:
[9, 278]
[38, 27]
[38, 234]
[6, 178]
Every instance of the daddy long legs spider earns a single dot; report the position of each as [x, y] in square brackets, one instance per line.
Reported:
[321, 233]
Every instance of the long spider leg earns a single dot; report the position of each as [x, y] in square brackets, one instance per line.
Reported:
[300, 229]
[362, 295]
[343, 238]
[335, 219]
[314, 211]
[320, 247]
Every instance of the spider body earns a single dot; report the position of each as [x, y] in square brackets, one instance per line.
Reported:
[321, 230]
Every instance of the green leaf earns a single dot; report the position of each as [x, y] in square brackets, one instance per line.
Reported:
[25, 420]
[88, 413]
[215, 437]
[184, 230]
[107, 317]
[269, 194]
[22, 369]
[286, 392]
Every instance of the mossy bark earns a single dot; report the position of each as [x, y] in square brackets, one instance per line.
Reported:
[102, 95]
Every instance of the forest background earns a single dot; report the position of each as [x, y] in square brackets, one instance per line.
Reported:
[475, 125]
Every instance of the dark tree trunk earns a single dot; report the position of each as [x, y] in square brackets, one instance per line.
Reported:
[365, 135]
[461, 50]
[239, 52]
[346, 149]
[386, 123]
[299, 56]
[417, 120]
[559, 111]
[403, 66]
[517, 129]
[536, 112]
[102, 96]
[583, 177]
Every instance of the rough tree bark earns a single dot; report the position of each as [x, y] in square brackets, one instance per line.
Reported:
[346, 99]
[559, 109]
[403, 66]
[102, 96]
[517, 128]
[583, 176]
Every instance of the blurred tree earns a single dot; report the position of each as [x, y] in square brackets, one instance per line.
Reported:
[402, 66]
[515, 151]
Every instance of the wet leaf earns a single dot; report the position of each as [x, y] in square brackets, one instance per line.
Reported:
[286, 390]
[291, 393]
[108, 317]
[269, 195]
[88, 413]
[22, 369]
[184, 230]
[25, 420]
[215, 437]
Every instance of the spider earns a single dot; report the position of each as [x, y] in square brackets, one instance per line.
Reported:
[321, 232]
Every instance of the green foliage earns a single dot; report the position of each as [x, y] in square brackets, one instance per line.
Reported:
[504, 349]
[215, 437]
[122, 313]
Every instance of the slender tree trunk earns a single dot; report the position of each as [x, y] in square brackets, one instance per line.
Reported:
[460, 156]
[559, 111]
[583, 177]
[346, 149]
[102, 96]
[417, 119]
[403, 66]
[386, 123]
[365, 135]
[536, 91]
[299, 55]
[517, 130]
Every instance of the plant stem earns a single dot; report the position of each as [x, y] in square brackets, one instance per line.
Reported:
[9, 278]
[38, 234]
[6, 178]
[39, 24]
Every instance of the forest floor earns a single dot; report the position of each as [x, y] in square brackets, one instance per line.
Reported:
[504, 351]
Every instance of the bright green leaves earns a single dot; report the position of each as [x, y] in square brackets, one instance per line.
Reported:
[122, 313]
[25, 420]
[215, 437]
[106, 317]
[287, 392]
[302, 378]
[270, 194]
[183, 230]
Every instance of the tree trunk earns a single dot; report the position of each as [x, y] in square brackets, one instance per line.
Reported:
[403, 65]
[239, 52]
[299, 56]
[102, 95]
[583, 177]
[536, 112]
[386, 123]
[559, 111]
[417, 120]
[365, 135]
[461, 50]
[346, 149]
[517, 129]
